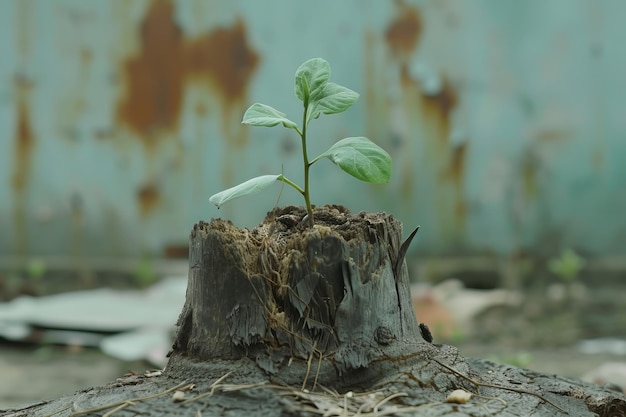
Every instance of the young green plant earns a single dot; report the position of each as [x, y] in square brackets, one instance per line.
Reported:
[358, 156]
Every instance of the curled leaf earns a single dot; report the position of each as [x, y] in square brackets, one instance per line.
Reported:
[252, 186]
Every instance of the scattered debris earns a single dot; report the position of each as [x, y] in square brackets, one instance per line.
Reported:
[449, 306]
[425, 332]
[610, 373]
[178, 396]
[128, 325]
[610, 345]
[459, 396]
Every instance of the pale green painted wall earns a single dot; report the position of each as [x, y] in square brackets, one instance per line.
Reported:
[506, 119]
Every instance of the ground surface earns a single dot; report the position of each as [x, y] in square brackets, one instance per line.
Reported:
[539, 335]
[30, 375]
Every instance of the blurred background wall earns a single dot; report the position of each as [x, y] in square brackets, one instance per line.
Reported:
[505, 119]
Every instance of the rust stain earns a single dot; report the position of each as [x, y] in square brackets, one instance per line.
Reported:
[457, 169]
[529, 176]
[447, 161]
[225, 56]
[551, 135]
[457, 161]
[24, 138]
[442, 103]
[86, 56]
[403, 33]
[370, 96]
[156, 77]
[22, 163]
[597, 158]
[201, 109]
[176, 251]
[437, 107]
[148, 197]
[432, 110]
[406, 182]
[24, 142]
[224, 60]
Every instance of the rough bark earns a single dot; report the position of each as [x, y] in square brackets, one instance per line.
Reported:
[285, 293]
[287, 320]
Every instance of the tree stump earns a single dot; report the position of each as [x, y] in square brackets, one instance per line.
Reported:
[284, 292]
[289, 320]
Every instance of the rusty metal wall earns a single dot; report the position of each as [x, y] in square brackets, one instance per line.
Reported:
[506, 119]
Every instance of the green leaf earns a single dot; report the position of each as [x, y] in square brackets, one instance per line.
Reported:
[252, 186]
[263, 115]
[311, 78]
[568, 265]
[361, 158]
[334, 99]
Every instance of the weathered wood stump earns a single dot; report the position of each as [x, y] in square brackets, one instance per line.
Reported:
[289, 320]
[284, 294]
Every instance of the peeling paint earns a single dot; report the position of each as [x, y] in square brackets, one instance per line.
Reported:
[457, 171]
[22, 167]
[176, 251]
[552, 135]
[440, 106]
[597, 158]
[24, 137]
[24, 142]
[428, 110]
[144, 100]
[77, 215]
[457, 162]
[225, 56]
[154, 78]
[219, 63]
[157, 75]
[529, 176]
[224, 59]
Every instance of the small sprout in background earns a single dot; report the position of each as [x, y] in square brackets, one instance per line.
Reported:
[458, 335]
[567, 266]
[358, 156]
[144, 274]
[36, 269]
[520, 359]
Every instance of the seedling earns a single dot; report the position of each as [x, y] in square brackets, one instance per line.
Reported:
[568, 265]
[358, 156]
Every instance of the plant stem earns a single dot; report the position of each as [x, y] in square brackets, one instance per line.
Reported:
[307, 198]
[289, 182]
